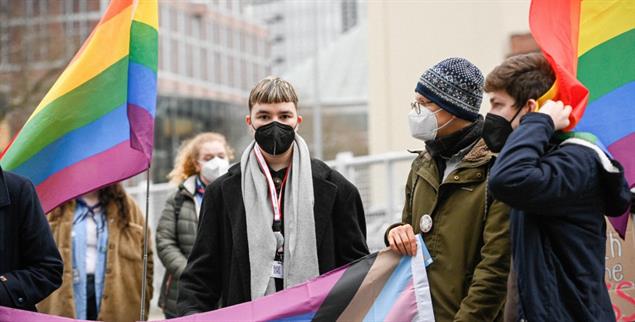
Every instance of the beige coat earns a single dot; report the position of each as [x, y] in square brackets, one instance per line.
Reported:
[121, 297]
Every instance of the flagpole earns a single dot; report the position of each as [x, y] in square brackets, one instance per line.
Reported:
[145, 250]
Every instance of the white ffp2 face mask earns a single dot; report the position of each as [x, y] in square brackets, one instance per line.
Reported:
[423, 125]
[214, 168]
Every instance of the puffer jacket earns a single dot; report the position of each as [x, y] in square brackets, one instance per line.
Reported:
[175, 237]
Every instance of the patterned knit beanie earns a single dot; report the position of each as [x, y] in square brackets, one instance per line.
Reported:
[456, 85]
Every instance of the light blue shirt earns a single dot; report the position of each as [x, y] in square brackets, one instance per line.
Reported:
[81, 215]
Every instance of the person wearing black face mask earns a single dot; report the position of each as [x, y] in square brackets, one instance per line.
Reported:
[496, 129]
[559, 191]
[276, 193]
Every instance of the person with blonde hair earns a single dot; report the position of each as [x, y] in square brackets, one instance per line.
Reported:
[277, 193]
[100, 237]
[199, 162]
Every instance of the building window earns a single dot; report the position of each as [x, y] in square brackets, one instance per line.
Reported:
[164, 16]
[349, 14]
[244, 75]
[16, 8]
[216, 34]
[243, 41]
[218, 74]
[94, 6]
[230, 37]
[203, 68]
[196, 28]
[231, 76]
[4, 45]
[77, 5]
[162, 58]
[209, 58]
[223, 36]
[174, 56]
[16, 44]
[256, 46]
[174, 24]
[42, 42]
[255, 73]
[4, 9]
[196, 62]
[181, 23]
[189, 71]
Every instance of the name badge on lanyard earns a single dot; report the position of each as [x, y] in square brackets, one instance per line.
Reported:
[277, 271]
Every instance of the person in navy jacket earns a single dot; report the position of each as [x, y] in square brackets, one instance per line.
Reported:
[30, 264]
[559, 190]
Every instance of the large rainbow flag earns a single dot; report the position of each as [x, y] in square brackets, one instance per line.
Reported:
[379, 287]
[591, 46]
[95, 125]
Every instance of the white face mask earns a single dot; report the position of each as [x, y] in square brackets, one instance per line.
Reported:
[423, 125]
[214, 168]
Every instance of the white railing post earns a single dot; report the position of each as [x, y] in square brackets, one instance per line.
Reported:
[343, 165]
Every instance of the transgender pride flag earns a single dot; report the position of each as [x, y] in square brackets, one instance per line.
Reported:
[379, 287]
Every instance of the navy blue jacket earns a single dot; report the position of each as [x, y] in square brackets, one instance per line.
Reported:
[30, 264]
[559, 195]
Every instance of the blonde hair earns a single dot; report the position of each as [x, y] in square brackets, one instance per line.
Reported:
[272, 89]
[186, 158]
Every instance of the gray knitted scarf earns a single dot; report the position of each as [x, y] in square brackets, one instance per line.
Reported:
[300, 249]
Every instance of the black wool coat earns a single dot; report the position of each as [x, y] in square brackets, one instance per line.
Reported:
[218, 267]
[30, 264]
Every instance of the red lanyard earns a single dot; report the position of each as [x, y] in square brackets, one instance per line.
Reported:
[276, 200]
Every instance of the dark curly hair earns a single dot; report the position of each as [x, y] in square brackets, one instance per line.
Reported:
[114, 193]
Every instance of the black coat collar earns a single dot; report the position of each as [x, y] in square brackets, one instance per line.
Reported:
[5, 199]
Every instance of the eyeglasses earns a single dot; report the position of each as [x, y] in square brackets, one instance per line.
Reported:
[416, 106]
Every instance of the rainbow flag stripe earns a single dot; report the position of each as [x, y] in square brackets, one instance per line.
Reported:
[591, 46]
[95, 125]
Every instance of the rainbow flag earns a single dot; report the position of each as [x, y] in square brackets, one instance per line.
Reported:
[95, 125]
[379, 287]
[591, 46]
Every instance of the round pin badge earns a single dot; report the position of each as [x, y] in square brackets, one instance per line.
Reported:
[425, 223]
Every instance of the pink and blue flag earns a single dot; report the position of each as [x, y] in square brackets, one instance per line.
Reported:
[382, 286]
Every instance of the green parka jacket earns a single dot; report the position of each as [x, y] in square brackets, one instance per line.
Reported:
[469, 240]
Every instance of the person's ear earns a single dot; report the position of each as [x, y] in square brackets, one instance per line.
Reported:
[300, 119]
[248, 120]
[532, 104]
